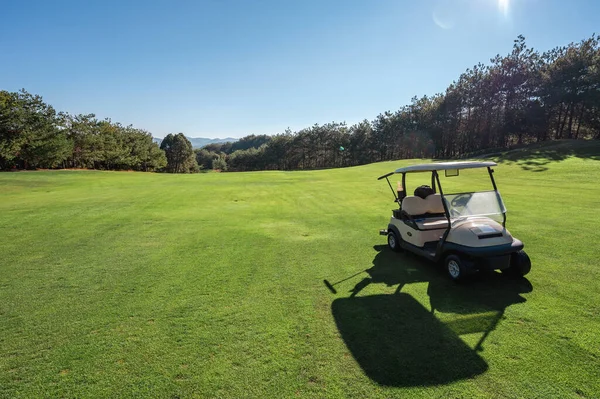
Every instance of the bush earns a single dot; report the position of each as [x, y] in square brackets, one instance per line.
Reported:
[219, 164]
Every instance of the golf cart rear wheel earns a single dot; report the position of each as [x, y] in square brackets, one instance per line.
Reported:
[394, 242]
[455, 267]
[520, 264]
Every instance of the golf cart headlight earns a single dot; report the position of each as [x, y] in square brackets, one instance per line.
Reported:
[485, 231]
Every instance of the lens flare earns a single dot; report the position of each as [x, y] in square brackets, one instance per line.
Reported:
[503, 6]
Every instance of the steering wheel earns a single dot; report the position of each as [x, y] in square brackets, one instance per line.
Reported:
[460, 200]
[454, 213]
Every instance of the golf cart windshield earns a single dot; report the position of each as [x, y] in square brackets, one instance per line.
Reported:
[486, 203]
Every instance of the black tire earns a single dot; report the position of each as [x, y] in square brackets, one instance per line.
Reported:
[394, 242]
[455, 267]
[520, 264]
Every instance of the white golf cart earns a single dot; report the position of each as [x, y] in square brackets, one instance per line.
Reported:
[465, 230]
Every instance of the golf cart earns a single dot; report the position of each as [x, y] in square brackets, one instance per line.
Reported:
[465, 230]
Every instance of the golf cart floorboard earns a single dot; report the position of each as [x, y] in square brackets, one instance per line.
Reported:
[430, 248]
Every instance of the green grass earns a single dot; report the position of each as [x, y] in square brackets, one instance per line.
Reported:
[210, 285]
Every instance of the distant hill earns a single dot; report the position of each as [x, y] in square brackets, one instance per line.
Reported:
[198, 142]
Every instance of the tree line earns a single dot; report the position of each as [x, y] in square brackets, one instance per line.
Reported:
[522, 97]
[34, 135]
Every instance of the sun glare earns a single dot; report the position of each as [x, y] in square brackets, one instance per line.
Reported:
[503, 6]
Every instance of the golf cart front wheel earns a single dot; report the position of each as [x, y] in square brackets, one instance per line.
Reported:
[394, 242]
[520, 264]
[455, 267]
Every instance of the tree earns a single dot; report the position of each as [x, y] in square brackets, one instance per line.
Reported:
[179, 153]
[220, 164]
[29, 133]
[205, 158]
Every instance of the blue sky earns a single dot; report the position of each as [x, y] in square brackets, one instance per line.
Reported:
[224, 68]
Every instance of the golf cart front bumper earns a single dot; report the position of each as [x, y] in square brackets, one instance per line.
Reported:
[485, 252]
[496, 257]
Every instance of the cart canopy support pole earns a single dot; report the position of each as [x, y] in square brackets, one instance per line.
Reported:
[438, 250]
[491, 172]
[392, 188]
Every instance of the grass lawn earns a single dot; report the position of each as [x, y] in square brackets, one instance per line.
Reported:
[116, 284]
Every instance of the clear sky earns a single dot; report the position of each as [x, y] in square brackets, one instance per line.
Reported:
[224, 68]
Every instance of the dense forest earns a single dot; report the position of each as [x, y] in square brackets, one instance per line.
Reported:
[523, 97]
[34, 135]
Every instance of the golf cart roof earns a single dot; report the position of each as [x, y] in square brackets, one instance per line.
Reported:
[428, 167]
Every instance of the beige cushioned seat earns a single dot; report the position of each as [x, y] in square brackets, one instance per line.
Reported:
[418, 206]
[432, 224]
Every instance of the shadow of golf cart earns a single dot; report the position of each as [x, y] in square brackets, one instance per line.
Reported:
[399, 341]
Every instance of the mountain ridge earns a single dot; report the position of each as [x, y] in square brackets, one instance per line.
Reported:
[199, 142]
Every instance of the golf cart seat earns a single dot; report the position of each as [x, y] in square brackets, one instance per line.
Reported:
[424, 214]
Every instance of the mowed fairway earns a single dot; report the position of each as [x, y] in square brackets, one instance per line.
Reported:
[210, 285]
